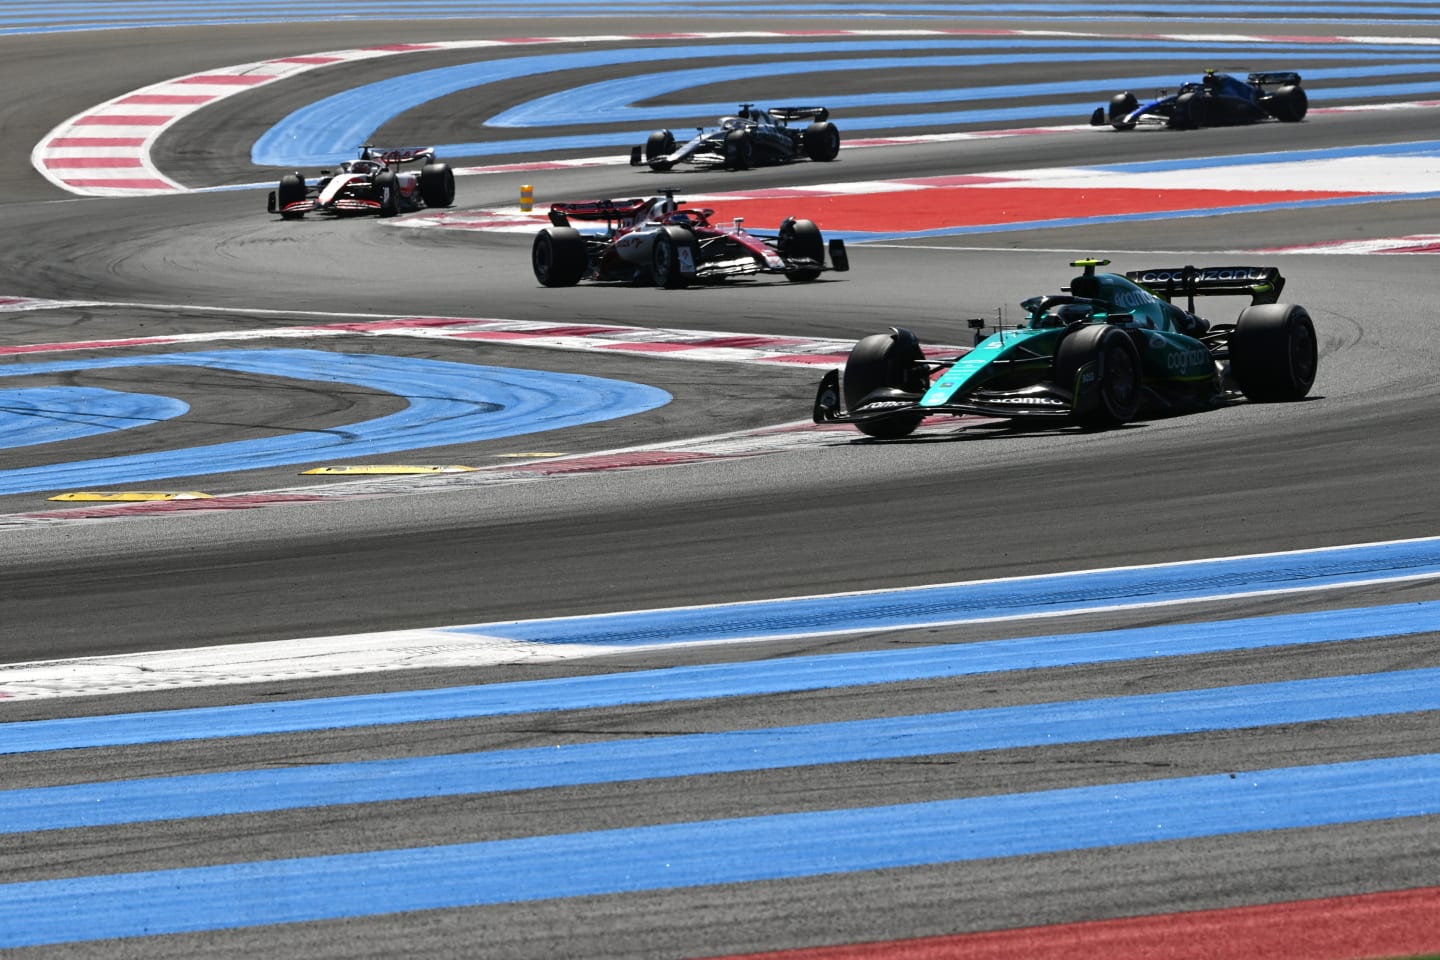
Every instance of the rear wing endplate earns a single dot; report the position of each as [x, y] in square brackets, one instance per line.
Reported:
[1260, 284]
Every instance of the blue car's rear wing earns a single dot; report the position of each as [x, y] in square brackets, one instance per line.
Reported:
[1282, 78]
[1261, 284]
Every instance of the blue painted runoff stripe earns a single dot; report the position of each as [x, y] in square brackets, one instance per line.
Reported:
[447, 403]
[748, 849]
[37, 415]
[968, 731]
[327, 129]
[614, 100]
[31, 18]
[822, 672]
[983, 600]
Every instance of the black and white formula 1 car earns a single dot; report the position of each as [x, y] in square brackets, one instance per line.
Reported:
[657, 240]
[374, 183]
[751, 138]
[1217, 100]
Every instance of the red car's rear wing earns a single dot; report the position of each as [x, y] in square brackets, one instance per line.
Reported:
[1261, 284]
[391, 156]
[601, 209]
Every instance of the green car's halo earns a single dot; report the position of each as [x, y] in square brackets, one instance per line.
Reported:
[1107, 349]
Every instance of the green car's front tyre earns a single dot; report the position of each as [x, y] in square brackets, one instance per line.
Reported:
[882, 360]
[1102, 366]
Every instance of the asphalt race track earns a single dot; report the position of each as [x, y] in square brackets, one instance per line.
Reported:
[633, 660]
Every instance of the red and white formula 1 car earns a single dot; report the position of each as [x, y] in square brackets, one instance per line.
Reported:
[374, 183]
[657, 240]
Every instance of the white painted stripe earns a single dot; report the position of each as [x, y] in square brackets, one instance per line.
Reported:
[1390, 174]
[1427, 243]
[456, 647]
[615, 338]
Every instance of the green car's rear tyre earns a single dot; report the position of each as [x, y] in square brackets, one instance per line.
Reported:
[1273, 352]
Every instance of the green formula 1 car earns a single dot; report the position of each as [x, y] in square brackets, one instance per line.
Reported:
[1109, 349]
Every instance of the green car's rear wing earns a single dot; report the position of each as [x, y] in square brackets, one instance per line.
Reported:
[1260, 284]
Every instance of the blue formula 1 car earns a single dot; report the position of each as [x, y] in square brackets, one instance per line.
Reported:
[1217, 100]
[1108, 349]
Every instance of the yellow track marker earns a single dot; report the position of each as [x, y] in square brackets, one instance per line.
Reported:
[132, 496]
[354, 469]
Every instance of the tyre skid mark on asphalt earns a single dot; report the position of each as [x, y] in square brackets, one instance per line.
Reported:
[692, 345]
[444, 402]
[743, 444]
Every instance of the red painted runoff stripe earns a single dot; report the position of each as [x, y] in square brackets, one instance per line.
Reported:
[165, 99]
[1396, 924]
[98, 142]
[967, 206]
[126, 120]
[93, 163]
[227, 79]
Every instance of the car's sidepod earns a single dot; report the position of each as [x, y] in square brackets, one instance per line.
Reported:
[1002, 360]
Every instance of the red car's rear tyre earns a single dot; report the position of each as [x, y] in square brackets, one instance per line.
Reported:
[558, 256]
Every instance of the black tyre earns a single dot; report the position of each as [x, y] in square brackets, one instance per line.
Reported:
[801, 239]
[558, 256]
[1273, 352]
[661, 143]
[437, 185]
[291, 190]
[821, 142]
[1189, 111]
[1120, 106]
[739, 149]
[1106, 354]
[879, 361]
[673, 257]
[1289, 104]
[388, 188]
